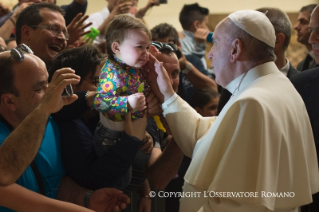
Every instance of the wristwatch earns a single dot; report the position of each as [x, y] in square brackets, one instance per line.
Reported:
[188, 68]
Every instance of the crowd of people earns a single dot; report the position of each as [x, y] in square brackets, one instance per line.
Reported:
[85, 120]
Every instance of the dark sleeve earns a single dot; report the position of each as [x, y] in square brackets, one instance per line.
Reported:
[71, 10]
[307, 85]
[72, 111]
[81, 162]
[197, 63]
[152, 129]
[223, 99]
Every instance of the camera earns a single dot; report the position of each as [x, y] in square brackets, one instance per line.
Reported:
[68, 91]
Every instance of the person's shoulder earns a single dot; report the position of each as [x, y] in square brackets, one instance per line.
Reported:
[292, 71]
[305, 76]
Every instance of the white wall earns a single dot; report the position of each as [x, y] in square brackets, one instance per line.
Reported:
[169, 13]
[10, 3]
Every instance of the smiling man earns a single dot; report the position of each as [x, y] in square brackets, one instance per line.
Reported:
[259, 143]
[42, 27]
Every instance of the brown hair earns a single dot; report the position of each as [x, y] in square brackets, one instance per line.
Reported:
[116, 30]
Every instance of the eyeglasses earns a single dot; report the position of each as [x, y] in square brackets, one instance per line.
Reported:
[17, 52]
[95, 80]
[164, 47]
[54, 29]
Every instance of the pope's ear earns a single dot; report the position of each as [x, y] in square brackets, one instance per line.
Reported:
[236, 49]
[8, 100]
[116, 47]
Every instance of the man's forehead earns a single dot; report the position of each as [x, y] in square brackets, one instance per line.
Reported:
[170, 61]
[167, 58]
[50, 15]
[304, 15]
[30, 61]
[220, 26]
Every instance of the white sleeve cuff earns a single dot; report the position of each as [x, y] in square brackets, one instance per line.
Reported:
[168, 102]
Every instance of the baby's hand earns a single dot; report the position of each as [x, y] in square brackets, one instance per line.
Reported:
[136, 101]
[154, 51]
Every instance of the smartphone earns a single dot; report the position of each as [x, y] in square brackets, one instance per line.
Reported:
[68, 91]
[162, 1]
[209, 37]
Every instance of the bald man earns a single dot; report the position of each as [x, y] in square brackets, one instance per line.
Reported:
[28, 135]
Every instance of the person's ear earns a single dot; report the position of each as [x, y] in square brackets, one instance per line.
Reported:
[196, 24]
[26, 33]
[9, 100]
[116, 47]
[280, 39]
[236, 50]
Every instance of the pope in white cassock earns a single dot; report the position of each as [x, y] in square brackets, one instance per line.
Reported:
[261, 142]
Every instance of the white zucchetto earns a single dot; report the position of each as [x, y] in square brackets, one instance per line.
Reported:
[256, 24]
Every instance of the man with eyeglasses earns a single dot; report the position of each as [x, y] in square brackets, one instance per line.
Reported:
[42, 27]
[27, 131]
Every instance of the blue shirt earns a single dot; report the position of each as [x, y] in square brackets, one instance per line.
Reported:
[48, 161]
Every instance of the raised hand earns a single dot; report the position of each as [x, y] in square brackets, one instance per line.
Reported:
[76, 28]
[201, 35]
[53, 100]
[153, 3]
[122, 7]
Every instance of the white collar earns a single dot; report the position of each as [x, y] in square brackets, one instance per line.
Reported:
[261, 70]
[285, 68]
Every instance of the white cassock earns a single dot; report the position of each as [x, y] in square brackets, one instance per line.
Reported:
[261, 142]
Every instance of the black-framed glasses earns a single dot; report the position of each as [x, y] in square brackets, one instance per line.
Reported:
[54, 29]
[164, 47]
[17, 52]
[95, 80]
